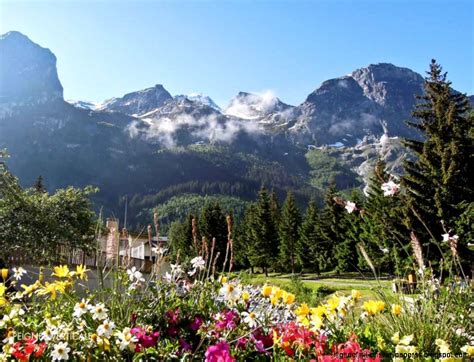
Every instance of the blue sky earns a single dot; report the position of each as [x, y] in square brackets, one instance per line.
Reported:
[109, 48]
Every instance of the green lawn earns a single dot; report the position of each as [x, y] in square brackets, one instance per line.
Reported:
[370, 288]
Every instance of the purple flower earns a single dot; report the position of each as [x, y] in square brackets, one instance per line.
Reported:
[241, 343]
[184, 345]
[196, 323]
[219, 352]
[172, 316]
[226, 320]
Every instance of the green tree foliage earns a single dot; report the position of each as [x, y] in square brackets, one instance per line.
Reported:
[438, 179]
[262, 234]
[312, 253]
[289, 225]
[212, 224]
[36, 223]
[181, 239]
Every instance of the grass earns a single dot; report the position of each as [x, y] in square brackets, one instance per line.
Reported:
[369, 288]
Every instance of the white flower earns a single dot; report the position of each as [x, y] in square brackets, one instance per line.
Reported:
[350, 207]
[106, 328]
[126, 340]
[385, 250]
[18, 273]
[390, 188]
[250, 319]
[198, 263]
[448, 237]
[81, 308]
[99, 312]
[48, 334]
[60, 352]
[230, 292]
[159, 251]
[135, 275]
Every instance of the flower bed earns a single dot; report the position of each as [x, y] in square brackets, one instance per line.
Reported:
[191, 315]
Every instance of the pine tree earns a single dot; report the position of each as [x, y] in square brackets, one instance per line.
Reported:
[331, 226]
[382, 231]
[39, 185]
[311, 248]
[212, 224]
[438, 180]
[348, 229]
[263, 235]
[289, 232]
[181, 239]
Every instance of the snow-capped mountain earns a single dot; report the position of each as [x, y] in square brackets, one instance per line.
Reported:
[92, 106]
[200, 99]
[255, 106]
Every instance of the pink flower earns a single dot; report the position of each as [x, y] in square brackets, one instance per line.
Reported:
[144, 340]
[219, 352]
[226, 320]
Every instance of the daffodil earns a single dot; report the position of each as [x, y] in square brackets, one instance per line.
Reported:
[245, 296]
[29, 289]
[60, 351]
[288, 298]
[267, 290]
[126, 340]
[303, 310]
[396, 309]
[61, 271]
[372, 307]
[250, 319]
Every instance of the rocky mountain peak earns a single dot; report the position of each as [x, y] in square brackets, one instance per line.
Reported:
[139, 102]
[254, 106]
[28, 73]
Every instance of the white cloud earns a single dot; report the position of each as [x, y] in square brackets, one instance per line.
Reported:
[252, 105]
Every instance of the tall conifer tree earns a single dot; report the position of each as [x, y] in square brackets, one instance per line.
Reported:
[289, 232]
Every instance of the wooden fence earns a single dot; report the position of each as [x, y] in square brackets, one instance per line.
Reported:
[74, 257]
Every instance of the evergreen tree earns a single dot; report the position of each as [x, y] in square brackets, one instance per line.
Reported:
[438, 180]
[330, 225]
[289, 232]
[39, 185]
[312, 250]
[263, 235]
[181, 239]
[382, 231]
[345, 248]
[275, 207]
[212, 224]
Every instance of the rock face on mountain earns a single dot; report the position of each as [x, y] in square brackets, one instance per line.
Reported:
[346, 109]
[138, 103]
[28, 72]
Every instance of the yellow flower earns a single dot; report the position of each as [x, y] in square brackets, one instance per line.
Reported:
[274, 300]
[356, 294]
[469, 350]
[267, 290]
[380, 343]
[333, 303]
[4, 273]
[81, 272]
[396, 338]
[406, 340]
[223, 279]
[372, 307]
[61, 271]
[288, 298]
[245, 296]
[52, 288]
[277, 292]
[302, 310]
[319, 311]
[29, 289]
[396, 309]
[3, 300]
